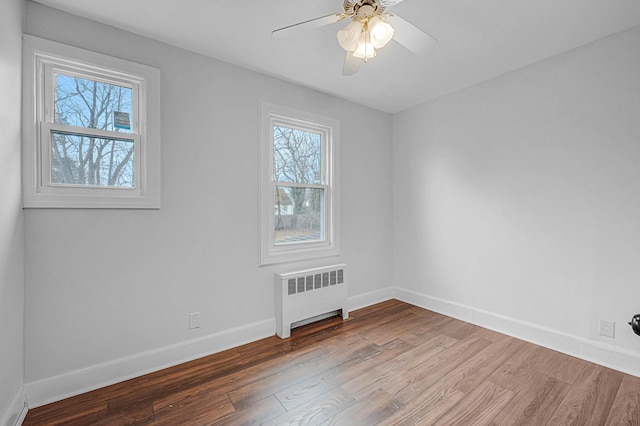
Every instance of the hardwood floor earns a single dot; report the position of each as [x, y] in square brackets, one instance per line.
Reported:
[389, 364]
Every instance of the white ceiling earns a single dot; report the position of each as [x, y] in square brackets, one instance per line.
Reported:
[478, 40]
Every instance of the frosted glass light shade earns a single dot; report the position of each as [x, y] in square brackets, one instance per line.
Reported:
[348, 36]
[381, 32]
[365, 49]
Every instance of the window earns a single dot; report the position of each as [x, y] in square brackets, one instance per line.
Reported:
[91, 132]
[299, 191]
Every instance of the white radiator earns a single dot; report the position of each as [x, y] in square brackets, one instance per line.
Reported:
[305, 295]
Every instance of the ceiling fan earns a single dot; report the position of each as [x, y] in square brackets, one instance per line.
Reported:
[371, 28]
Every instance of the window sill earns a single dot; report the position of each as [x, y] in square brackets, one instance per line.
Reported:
[57, 201]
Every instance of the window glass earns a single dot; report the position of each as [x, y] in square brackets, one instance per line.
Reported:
[88, 160]
[298, 215]
[90, 103]
[297, 155]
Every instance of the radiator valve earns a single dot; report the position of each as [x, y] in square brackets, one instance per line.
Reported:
[635, 324]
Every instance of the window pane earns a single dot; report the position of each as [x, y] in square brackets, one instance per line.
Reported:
[93, 104]
[297, 155]
[298, 215]
[87, 160]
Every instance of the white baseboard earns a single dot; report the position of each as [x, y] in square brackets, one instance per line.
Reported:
[23, 414]
[16, 410]
[41, 392]
[371, 298]
[56, 388]
[45, 391]
[599, 353]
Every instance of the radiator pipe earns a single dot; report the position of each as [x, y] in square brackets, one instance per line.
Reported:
[635, 324]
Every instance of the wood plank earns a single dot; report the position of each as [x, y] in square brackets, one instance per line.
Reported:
[460, 330]
[520, 369]
[480, 407]
[196, 407]
[308, 389]
[255, 413]
[420, 378]
[427, 407]
[390, 364]
[389, 331]
[626, 407]
[317, 411]
[66, 412]
[260, 386]
[561, 366]
[426, 330]
[383, 374]
[475, 370]
[435, 400]
[405, 388]
[535, 403]
[372, 411]
[590, 399]
[141, 414]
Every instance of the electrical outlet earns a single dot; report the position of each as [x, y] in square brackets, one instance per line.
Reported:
[194, 320]
[607, 328]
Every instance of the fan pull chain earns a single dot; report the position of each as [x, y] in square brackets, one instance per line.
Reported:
[367, 40]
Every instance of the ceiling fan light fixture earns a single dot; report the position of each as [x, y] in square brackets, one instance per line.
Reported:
[365, 49]
[368, 30]
[381, 32]
[348, 36]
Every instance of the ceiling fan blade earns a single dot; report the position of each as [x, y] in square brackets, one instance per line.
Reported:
[389, 3]
[411, 37]
[307, 25]
[351, 64]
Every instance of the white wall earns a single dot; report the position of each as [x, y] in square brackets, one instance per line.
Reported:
[515, 206]
[11, 219]
[108, 292]
[517, 201]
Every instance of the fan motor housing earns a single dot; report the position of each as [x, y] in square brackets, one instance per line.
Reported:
[635, 324]
[351, 7]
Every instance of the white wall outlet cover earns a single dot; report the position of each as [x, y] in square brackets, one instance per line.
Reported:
[607, 328]
[194, 320]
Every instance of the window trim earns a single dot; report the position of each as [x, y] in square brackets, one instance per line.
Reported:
[41, 59]
[271, 253]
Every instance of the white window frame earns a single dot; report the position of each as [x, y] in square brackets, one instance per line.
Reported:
[329, 128]
[41, 60]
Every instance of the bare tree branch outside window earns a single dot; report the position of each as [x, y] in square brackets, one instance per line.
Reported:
[297, 160]
[85, 159]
